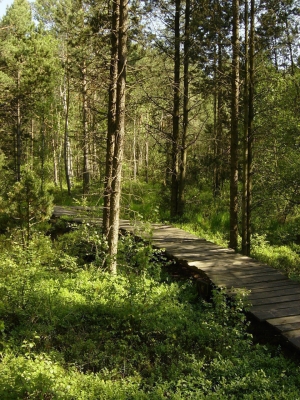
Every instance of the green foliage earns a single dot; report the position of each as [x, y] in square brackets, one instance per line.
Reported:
[86, 243]
[82, 333]
[25, 206]
[285, 258]
[141, 201]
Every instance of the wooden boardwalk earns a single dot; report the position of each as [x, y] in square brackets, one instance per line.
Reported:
[274, 298]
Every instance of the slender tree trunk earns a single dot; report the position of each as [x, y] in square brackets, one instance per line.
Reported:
[219, 127]
[134, 150]
[67, 155]
[42, 154]
[234, 129]
[186, 63]
[119, 138]
[31, 151]
[176, 109]
[216, 143]
[86, 160]
[19, 132]
[147, 160]
[111, 116]
[55, 163]
[250, 125]
[245, 139]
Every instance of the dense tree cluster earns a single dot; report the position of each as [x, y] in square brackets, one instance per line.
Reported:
[212, 98]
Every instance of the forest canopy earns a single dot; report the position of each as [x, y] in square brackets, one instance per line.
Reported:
[197, 100]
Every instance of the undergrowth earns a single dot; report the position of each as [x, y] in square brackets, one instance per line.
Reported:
[70, 330]
[273, 242]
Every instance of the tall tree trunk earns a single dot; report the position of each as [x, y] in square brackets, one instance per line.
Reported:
[219, 124]
[31, 147]
[134, 149]
[146, 159]
[233, 243]
[215, 112]
[19, 132]
[42, 154]
[111, 116]
[250, 125]
[86, 161]
[67, 155]
[176, 119]
[245, 139]
[119, 138]
[186, 63]
[55, 163]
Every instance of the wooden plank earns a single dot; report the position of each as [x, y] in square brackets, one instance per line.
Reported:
[295, 334]
[248, 283]
[295, 341]
[284, 320]
[287, 324]
[277, 306]
[274, 299]
[286, 290]
[262, 276]
[288, 327]
[265, 286]
[264, 315]
[288, 285]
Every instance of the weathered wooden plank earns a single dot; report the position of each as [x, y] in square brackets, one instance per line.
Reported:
[284, 320]
[295, 341]
[286, 324]
[280, 285]
[286, 290]
[263, 315]
[288, 327]
[248, 283]
[274, 299]
[269, 289]
[277, 306]
[293, 336]
[247, 274]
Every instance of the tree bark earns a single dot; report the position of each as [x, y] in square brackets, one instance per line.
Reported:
[119, 138]
[176, 106]
[250, 126]
[245, 139]
[134, 149]
[111, 116]
[233, 243]
[86, 161]
[183, 158]
[66, 98]
[19, 132]
[218, 173]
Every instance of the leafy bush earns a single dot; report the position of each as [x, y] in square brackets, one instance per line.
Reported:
[25, 206]
[81, 333]
[86, 243]
[284, 258]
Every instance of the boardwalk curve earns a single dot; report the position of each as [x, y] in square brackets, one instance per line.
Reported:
[274, 298]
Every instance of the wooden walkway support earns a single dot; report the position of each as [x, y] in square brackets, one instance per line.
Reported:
[274, 298]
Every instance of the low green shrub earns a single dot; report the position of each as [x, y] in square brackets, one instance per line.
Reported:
[81, 333]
